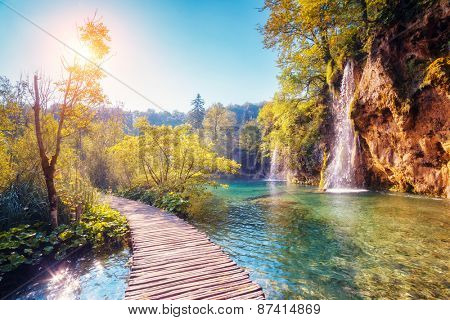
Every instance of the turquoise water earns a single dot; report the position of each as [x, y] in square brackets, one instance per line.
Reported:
[94, 277]
[298, 243]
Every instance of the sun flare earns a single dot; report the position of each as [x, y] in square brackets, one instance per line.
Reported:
[80, 51]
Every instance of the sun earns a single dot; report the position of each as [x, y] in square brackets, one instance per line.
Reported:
[80, 51]
[84, 52]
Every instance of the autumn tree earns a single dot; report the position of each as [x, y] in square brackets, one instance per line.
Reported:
[104, 132]
[197, 113]
[79, 88]
[167, 159]
[218, 127]
[13, 119]
[308, 35]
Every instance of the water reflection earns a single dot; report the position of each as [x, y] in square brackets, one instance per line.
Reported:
[94, 276]
[302, 244]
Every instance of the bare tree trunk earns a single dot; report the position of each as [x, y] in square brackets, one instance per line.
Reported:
[47, 168]
[52, 198]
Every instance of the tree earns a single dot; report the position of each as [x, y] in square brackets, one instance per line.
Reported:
[79, 87]
[13, 119]
[103, 134]
[197, 113]
[250, 137]
[166, 158]
[297, 127]
[310, 34]
[219, 125]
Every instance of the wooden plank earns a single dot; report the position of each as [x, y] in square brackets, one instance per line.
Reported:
[179, 265]
[187, 277]
[173, 260]
[217, 267]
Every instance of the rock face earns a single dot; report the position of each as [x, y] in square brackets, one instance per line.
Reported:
[401, 109]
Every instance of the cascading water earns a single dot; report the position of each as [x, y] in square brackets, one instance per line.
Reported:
[340, 173]
[277, 171]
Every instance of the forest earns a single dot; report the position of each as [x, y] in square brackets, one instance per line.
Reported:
[382, 65]
[63, 144]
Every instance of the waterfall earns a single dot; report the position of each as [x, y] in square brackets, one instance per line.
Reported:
[277, 171]
[340, 173]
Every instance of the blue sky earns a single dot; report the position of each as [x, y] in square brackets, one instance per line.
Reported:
[167, 49]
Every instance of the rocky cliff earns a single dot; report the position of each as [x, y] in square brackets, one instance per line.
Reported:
[401, 109]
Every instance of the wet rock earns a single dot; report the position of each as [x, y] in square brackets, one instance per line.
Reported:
[402, 117]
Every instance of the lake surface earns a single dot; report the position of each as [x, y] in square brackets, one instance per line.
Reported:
[93, 276]
[298, 243]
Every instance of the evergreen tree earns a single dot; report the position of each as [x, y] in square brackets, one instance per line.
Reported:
[197, 113]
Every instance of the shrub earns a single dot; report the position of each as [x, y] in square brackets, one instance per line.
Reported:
[103, 225]
[173, 202]
[139, 194]
[22, 203]
[28, 244]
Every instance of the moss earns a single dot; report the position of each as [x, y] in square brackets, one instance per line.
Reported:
[332, 76]
[438, 74]
[354, 104]
[322, 171]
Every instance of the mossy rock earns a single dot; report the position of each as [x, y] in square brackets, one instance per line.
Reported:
[333, 77]
[438, 74]
[322, 171]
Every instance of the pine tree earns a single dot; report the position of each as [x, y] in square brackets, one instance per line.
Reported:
[197, 113]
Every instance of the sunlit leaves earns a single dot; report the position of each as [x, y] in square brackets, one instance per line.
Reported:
[295, 128]
[167, 158]
[308, 34]
[95, 35]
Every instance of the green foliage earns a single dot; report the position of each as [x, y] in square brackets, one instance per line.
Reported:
[308, 34]
[22, 202]
[29, 244]
[173, 202]
[139, 194]
[170, 201]
[295, 128]
[22, 245]
[166, 159]
[314, 36]
[102, 225]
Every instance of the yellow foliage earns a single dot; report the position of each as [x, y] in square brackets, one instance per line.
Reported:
[438, 74]
[166, 158]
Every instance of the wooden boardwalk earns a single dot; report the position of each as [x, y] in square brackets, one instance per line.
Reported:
[173, 260]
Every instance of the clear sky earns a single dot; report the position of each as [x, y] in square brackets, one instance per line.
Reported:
[169, 50]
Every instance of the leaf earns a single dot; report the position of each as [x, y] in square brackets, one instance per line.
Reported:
[65, 235]
[16, 259]
[48, 249]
